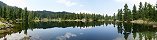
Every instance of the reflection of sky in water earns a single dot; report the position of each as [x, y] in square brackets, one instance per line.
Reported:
[87, 34]
[15, 36]
[66, 36]
[97, 33]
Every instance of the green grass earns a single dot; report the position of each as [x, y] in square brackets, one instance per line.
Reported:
[1, 24]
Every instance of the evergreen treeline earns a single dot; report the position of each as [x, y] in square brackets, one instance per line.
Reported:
[8, 13]
[146, 11]
[14, 14]
[68, 15]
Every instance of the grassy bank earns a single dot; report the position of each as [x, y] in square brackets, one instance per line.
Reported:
[139, 22]
[4, 25]
[57, 20]
[143, 22]
[83, 20]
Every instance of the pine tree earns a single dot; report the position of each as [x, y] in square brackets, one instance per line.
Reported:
[0, 12]
[119, 15]
[106, 17]
[125, 12]
[150, 11]
[114, 17]
[156, 12]
[134, 11]
[7, 13]
[145, 11]
[129, 17]
[140, 11]
[26, 14]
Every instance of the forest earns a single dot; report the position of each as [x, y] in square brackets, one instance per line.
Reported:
[14, 14]
[67, 15]
[146, 11]
[9, 13]
[16, 20]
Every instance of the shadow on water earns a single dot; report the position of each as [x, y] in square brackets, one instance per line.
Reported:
[126, 30]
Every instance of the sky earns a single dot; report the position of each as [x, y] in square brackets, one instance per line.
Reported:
[89, 6]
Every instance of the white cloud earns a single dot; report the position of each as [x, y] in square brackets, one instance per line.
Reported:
[67, 2]
[19, 3]
[66, 36]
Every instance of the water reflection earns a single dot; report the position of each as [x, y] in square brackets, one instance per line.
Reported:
[66, 36]
[79, 31]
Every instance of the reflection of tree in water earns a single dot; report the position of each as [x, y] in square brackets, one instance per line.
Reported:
[31, 25]
[9, 31]
[5, 32]
[144, 31]
[17, 29]
[108, 23]
[119, 27]
[126, 29]
[66, 24]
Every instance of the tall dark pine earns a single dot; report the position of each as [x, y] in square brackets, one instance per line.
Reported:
[134, 12]
[150, 11]
[156, 6]
[145, 11]
[129, 17]
[140, 11]
[4, 12]
[114, 17]
[0, 11]
[7, 13]
[156, 12]
[119, 15]
[26, 15]
[106, 17]
[125, 12]
[19, 13]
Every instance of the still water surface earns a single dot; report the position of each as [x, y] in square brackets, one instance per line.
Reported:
[80, 31]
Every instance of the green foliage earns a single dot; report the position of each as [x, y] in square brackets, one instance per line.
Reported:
[127, 13]
[134, 11]
[114, 17]
[19, 14]
[14, 13]
[144, 12]
[119, 15]
[68, 15]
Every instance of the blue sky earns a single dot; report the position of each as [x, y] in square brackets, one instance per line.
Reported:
[89, 6]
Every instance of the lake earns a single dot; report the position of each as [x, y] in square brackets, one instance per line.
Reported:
[80, 31]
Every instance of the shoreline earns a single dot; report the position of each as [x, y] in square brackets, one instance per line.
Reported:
[140, 22]
[144, 22]
[5, 25]
[135, 21]
[153, 24]
[83, 20]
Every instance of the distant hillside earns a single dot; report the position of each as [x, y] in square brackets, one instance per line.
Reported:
[2, 4]
[12, 13]
[45, 14]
